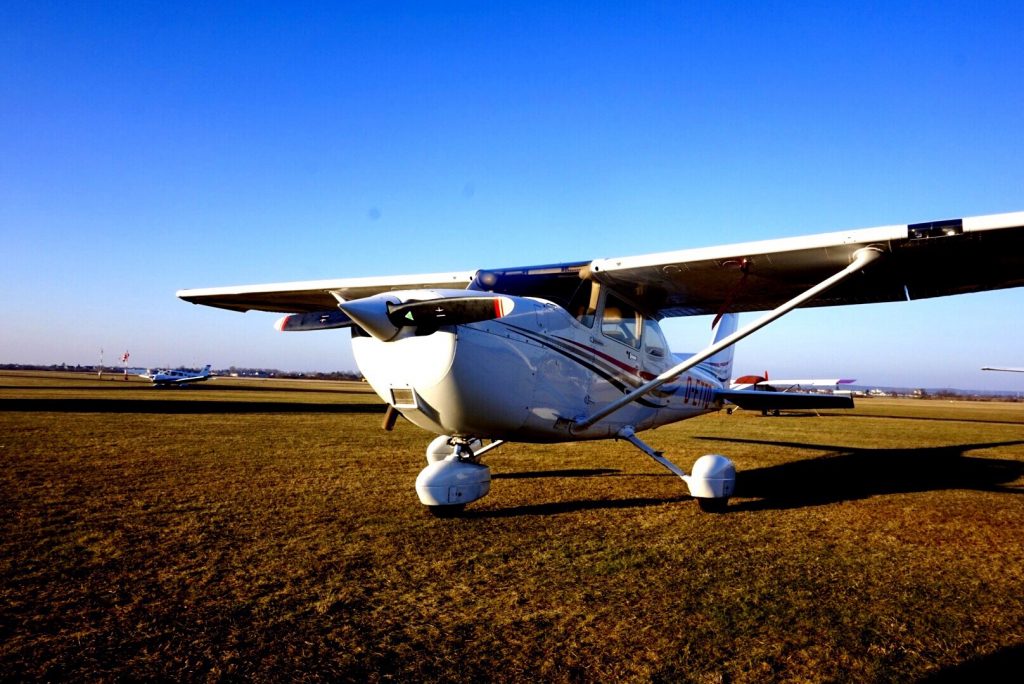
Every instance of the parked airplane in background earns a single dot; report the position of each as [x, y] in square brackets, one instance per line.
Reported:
[761, 382]
[574, 351]
[176, 377]
[1007, 370]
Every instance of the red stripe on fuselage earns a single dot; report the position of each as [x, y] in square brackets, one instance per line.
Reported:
[644, 375]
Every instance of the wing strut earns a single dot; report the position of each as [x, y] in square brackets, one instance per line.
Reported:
[862, 257]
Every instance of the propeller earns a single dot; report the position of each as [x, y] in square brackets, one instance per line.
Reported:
[384, 316]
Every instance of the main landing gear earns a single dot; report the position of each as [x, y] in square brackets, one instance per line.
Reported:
[712, 481]
[454, 476]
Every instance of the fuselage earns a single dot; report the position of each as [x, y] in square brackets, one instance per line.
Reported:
[528, 375]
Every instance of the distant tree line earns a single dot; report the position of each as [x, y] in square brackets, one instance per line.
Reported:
[241, 372]
[275, 373]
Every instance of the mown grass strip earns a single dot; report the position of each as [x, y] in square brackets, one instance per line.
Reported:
[877, 545]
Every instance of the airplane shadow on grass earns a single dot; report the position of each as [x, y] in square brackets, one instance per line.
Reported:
[850, 473]
[556, 507]
[843, 475]
[991, 668]
[572, 472]
[172, 406]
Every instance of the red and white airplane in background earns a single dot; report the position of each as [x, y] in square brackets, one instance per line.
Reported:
[763, 382]
[773, 385]
[574, 351]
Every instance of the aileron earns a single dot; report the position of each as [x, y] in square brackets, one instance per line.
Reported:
[315, 295]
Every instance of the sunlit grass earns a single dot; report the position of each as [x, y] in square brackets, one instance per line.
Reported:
[876, 545]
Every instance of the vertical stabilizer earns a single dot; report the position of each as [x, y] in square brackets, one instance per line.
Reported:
[721, 363]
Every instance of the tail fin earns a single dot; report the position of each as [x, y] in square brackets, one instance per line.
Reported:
[721, 363]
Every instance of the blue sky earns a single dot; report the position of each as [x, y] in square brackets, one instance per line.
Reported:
[147, 147]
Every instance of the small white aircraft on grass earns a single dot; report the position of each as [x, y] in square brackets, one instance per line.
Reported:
[176, 377]
[773, 385]
[762, 382]
[573, 351]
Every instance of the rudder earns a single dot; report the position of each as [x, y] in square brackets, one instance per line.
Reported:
[721, 363]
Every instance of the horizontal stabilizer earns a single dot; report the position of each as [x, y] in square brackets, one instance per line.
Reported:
[760, 401]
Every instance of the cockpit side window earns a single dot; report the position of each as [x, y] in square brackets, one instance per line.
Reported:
[621, 321]
[583, 305]
[654, 340]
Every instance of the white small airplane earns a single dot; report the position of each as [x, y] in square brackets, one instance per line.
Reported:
[1005, 370]
[762, 382]
[573, 351]
[775, 385]
[171, 377]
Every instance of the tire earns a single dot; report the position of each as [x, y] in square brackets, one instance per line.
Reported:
[453, 511]
[713, 505]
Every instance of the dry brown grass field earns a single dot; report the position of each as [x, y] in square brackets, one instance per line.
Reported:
[270, 531]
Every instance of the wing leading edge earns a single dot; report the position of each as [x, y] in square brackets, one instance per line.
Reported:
[917, 261]
[316, 295]
[757, 400]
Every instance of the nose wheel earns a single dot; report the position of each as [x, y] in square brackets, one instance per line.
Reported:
[454, 476]
[713, 505]
[446, 512]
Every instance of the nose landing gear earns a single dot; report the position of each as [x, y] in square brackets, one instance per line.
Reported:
[455, 476]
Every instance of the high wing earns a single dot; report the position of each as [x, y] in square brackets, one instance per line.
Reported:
[751, 382]
[316, 295]
[765, 401]
[918, 261]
